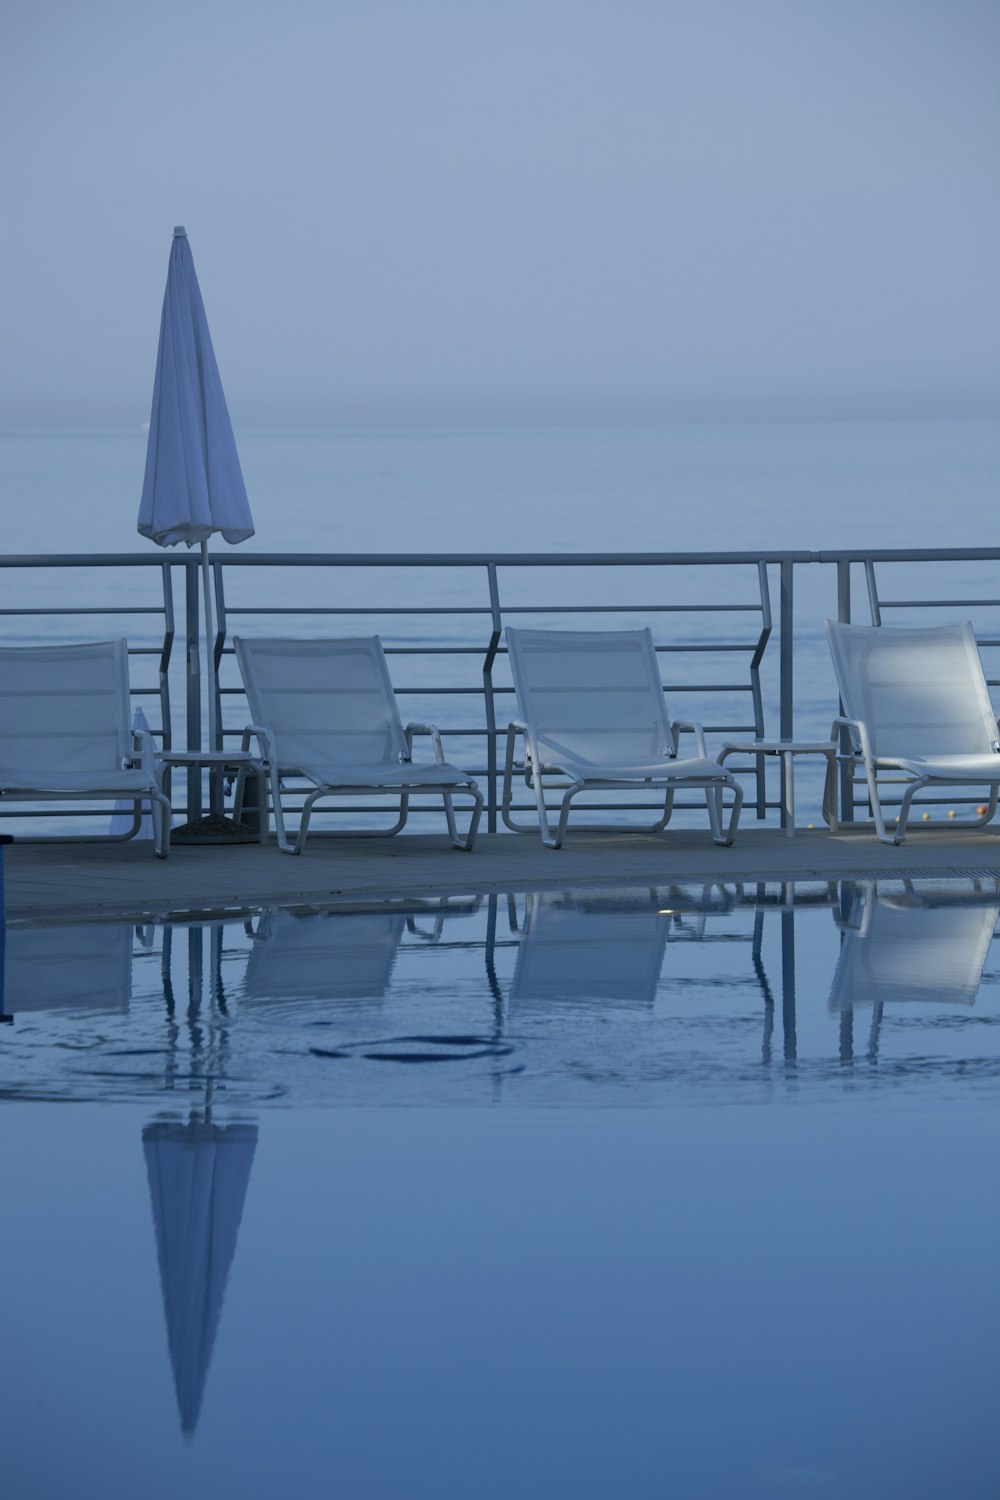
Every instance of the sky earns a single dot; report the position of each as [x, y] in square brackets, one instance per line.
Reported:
[505, 210]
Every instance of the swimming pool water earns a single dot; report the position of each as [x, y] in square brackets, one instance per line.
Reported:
[677, 1191]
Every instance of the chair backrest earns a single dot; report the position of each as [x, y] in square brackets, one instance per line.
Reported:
[327, 702]
[323, 956]
[595, 695]
[919, 691]
[81, 967]
[896, 951]
[589, 950]
[65, 708]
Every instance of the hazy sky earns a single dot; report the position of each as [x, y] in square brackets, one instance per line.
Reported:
[521, 206]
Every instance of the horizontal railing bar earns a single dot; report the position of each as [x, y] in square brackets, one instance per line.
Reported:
[367, 609]
[627, 609]
[414, 651]
[104, 609]
[479, 650]
[938, 603]
[668, 687]
[245, 559]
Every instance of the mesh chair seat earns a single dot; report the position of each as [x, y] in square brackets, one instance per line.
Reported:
[403, 776]
[660, 772]
[123, 783]
[948, 768]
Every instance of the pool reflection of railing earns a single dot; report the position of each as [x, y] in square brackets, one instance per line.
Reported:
[230, 1008]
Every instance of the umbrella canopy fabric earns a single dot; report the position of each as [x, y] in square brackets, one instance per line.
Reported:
[193, 484]
[198, 1175]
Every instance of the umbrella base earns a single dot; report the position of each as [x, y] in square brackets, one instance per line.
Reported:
[213, 830]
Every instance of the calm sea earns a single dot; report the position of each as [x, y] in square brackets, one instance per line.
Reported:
[679, 487]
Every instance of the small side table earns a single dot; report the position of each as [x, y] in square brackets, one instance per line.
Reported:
[788, 750]
[223, 761]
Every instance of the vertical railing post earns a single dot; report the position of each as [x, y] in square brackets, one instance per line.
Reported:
[192, 658]
[846, 767]
[491, 715]
[786, 669]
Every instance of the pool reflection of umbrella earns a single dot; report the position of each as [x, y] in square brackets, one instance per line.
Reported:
[198, 1175]
[193, 485]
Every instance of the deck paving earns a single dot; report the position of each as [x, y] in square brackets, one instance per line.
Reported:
[63, 882]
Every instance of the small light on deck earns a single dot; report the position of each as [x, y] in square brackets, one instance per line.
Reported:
[667, 911]
[982, 809]
[925, 817]
[951, 812]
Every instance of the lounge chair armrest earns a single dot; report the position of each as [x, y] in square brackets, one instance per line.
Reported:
[146, 747]
[435, 734]
[690, 726]
[267, 749]
[532, 754]
[517, 727]
[859, 736]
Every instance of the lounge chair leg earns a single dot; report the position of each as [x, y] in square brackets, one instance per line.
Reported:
[449, 812]
[735, 816]
[873, 797]
[904, 809]
[564, 814]
[307, 807]
[668, 807]
[543, 821]
[713, 800]
[160, 810]
[279, 815]
[468, 842]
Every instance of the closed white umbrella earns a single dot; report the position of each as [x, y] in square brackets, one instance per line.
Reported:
[193, 485]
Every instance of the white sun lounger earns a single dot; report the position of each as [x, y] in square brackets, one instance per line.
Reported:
[593, 719]
[324, 712]
[65, 735]
[918, 712]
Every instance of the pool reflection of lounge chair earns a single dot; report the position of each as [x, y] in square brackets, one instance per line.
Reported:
[198, 1174]
[911, 948]
[323, 955]
[81, 967]
[573, 949]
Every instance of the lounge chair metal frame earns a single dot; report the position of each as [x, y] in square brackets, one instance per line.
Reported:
[918, 771]
[134, 750]
[546, 772]
[396, 783]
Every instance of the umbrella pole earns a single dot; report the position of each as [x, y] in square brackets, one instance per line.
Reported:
[209, 658]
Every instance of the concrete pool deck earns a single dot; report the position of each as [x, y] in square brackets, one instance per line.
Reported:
[62, 882]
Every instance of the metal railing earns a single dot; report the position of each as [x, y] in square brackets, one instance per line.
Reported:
[441, 614]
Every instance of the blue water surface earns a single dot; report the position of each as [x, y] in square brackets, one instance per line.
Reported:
[687, 1190]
